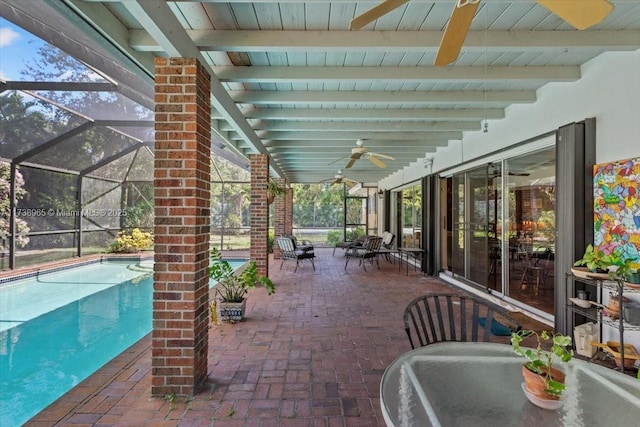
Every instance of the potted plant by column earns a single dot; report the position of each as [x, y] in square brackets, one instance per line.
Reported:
[232, 286]
[544, 382]
[274, 189]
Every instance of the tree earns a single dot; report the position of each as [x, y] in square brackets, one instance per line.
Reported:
[318, 205]
[22, 228]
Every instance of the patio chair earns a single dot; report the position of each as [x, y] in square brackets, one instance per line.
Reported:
[289, 252]
[302, 245]
[386, 247]
[349, 243]
[435, 317]
[368, 252]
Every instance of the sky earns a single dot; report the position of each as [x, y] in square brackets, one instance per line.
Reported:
[16, 47]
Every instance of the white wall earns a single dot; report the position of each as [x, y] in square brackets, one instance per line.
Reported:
[609, 90]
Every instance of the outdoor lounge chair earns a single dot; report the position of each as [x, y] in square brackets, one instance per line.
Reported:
[386, 247]
[301, 245]
[434, 318]
[289, 252]
[367, 252]
[349, 243]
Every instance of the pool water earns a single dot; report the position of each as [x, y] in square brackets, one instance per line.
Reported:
[58, 328]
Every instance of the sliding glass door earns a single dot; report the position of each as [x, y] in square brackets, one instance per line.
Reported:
[505, 247]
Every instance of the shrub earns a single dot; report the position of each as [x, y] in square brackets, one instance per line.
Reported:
[136, 241]
[334, 236]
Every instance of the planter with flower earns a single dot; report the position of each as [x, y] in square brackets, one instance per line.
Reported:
[232, 287]
[543, 380]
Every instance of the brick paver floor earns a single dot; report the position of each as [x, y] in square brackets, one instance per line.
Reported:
[312, 354]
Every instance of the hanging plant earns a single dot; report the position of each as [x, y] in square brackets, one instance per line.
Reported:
[274, 189]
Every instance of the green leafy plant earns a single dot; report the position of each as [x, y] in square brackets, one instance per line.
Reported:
[541, 361]
[620, 268]
[232, 287]
[135, 241]
[275, 189]
[594, 259]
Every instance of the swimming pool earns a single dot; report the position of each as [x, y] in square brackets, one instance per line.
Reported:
[58, 328]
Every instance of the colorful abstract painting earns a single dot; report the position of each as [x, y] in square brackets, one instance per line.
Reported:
[616, 190]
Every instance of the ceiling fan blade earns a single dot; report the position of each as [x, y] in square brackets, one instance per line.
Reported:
[351, 162]
[455, 33]
[383, 156]
[376, 162]
[581, 14]
[374, 13]
[341, 158]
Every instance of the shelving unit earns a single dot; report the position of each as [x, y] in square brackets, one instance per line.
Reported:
[597, 286]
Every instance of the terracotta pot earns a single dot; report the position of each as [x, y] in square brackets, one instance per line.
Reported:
[535, 383]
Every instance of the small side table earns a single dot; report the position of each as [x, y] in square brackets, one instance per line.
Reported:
[412, 251]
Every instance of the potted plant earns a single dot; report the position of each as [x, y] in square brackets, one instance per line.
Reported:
[595, 260]
[619, 269]
[542, 378]
[232, 286]
[274, 189]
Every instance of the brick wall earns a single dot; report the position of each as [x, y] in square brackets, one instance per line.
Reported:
[288, 215]
[182, 221]
[259, 212]
[280, 213]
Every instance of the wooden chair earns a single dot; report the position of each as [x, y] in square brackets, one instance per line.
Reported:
[288, 252]
[368, 251]
[435, 317]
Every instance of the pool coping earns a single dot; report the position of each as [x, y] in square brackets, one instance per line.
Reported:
[50, 267]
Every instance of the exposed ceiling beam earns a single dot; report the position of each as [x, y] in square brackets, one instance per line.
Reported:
[381, 126]
[385, 41]
[405, 114]
[353, 136]
[160, 21]
[388, 97]
[349, 144]
[257, 74]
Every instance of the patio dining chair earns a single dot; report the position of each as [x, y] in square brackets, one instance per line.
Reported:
[436, 317]
[289, 252]
[369, 251]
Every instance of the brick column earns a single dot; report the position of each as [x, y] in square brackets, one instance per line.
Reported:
[182, 221]
[259, 212]
[280, 213]
[288, 215]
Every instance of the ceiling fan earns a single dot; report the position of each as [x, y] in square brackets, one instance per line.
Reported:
[340, 179]
[581, 14]
[361, 151]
